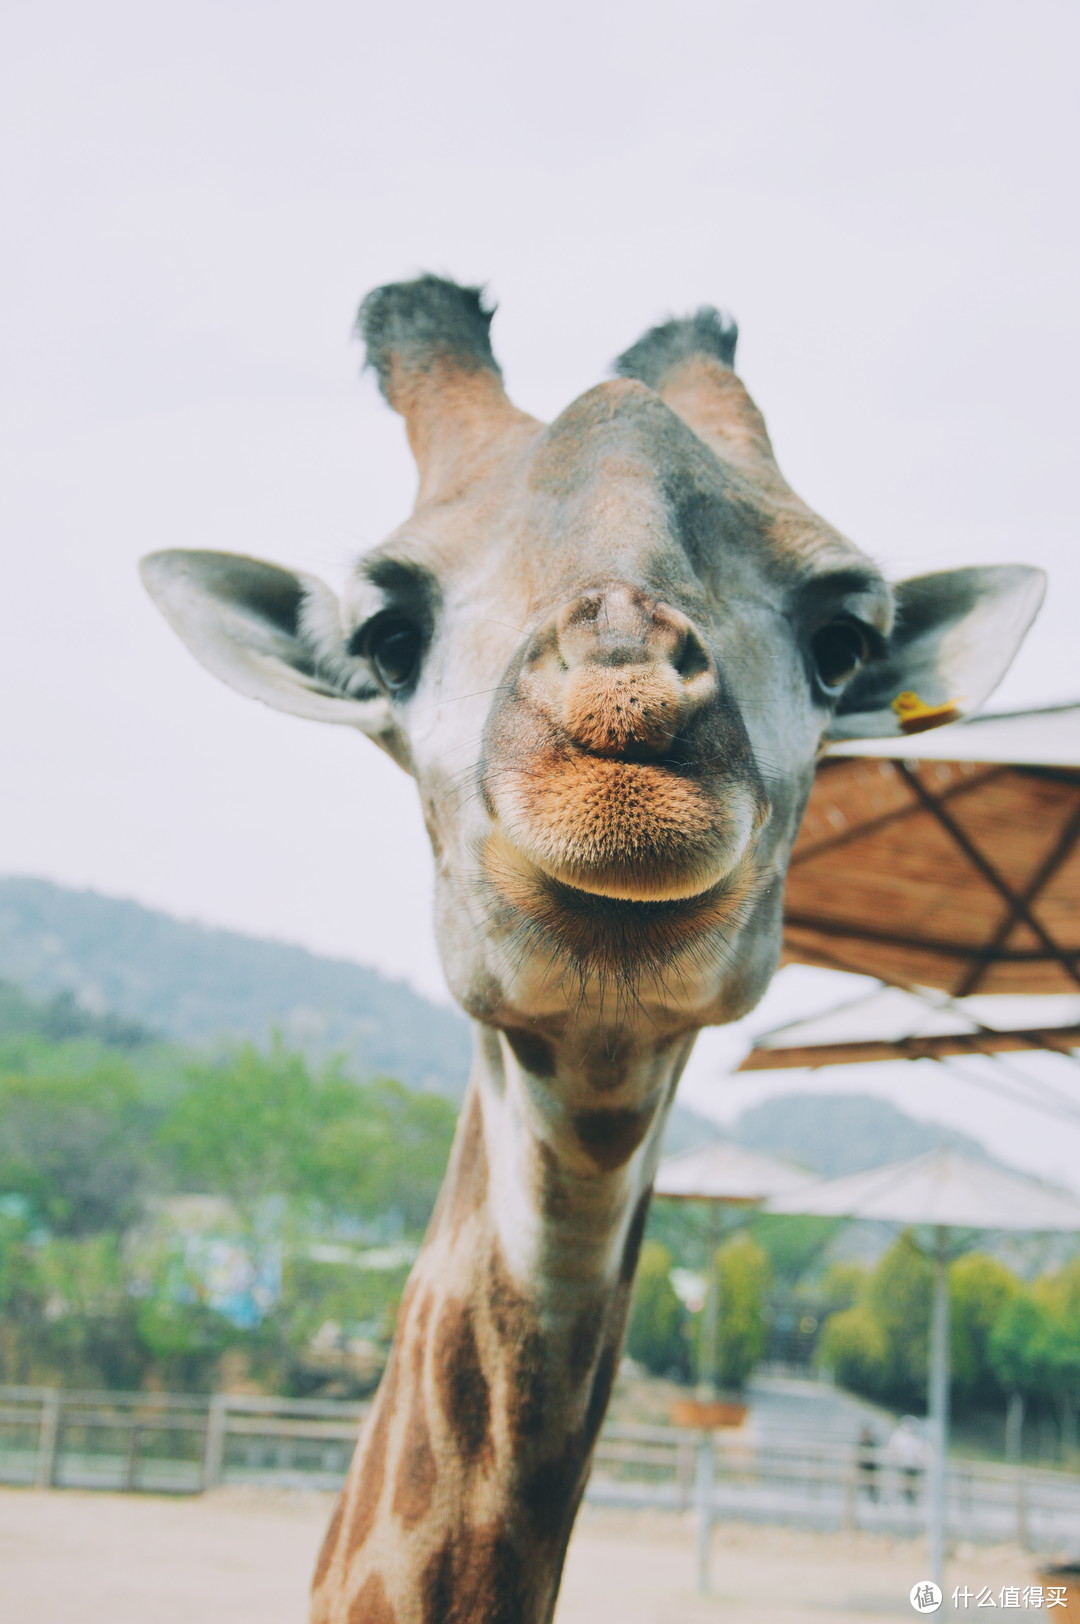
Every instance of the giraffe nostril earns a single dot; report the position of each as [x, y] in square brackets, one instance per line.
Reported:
[691, 657]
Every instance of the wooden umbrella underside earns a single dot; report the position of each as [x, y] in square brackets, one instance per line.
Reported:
[958, 875]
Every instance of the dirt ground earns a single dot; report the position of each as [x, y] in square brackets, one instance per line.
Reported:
[244, 1556]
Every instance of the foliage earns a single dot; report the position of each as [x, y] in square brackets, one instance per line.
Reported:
[1058, 1295]
[264, 1125]
[102, 1141]
[853, 1345]
[742, 1268]
[657, 1335]
[60, 1019]
[1005, 1337]
[879, 1343]
[793, 1244]
[1017, 1345]
[898, 1297]
[980, 1291]
[314, 1293]
[69, 1145]
[844, 1283]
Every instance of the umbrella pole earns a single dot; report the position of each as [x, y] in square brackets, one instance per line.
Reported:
[938, 1408]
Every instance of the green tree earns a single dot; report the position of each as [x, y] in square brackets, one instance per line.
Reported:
[853, 1346]
[1017, 1353]
[878, 1343]
[22, 1293]
[378, 1146]
[1059, 1296]
[89, 1332]
[742, 1269]
[845, 1284]
[262, 1125]
[242, 1129]
[899, 1300]
[657, 1333]
[793, 1244]
[980, 1290]
[73, 1143]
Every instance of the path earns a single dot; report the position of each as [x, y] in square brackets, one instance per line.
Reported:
[243, 1557]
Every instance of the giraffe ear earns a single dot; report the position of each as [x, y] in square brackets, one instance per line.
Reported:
[269, 633]
[954, 639]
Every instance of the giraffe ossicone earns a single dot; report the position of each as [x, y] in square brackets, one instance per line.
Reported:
[609, 650]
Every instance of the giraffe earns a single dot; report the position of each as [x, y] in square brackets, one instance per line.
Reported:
[609, 650]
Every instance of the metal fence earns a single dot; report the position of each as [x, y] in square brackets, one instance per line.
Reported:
[173, 1443]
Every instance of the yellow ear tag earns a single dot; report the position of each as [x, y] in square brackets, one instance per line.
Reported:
[916, 716]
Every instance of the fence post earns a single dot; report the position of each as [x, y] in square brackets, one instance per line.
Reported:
[1021, 1511]
[214, 1450]
[131, 1462]
[48, 1441]
[684, 1472]
[851, 1496]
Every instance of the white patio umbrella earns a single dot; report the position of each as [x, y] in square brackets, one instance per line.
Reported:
[948, 1192]
[724, 1172]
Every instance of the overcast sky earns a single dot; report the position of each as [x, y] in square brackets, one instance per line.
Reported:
[196, 197]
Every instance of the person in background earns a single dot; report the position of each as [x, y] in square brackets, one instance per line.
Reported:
[867, 1462]
[906, 1450]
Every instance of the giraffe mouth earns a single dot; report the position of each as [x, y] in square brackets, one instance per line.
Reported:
[627, 830]
[590, 931]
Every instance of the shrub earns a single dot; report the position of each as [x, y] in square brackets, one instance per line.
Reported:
[743, 1279]
[657, 1335]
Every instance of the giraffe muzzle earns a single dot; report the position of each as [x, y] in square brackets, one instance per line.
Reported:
[628, 675]
[606, 765]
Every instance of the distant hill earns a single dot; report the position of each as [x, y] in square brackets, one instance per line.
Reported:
[112, 969]
[833, 1134]
[194, 984]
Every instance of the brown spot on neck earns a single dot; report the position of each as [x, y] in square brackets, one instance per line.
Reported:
[464, 1391]
[417, 1470]
[584, 1339]
[551, 1493]
[371, 1605]
[479, 1578]
[523, 1349]
[610, 1137]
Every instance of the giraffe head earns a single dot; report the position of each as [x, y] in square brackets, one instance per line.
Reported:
[609, 650]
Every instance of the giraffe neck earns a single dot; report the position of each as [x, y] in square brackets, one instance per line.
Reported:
[463, 1490]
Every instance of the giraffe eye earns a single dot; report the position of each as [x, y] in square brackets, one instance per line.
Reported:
[393, 643]
[839, 649]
